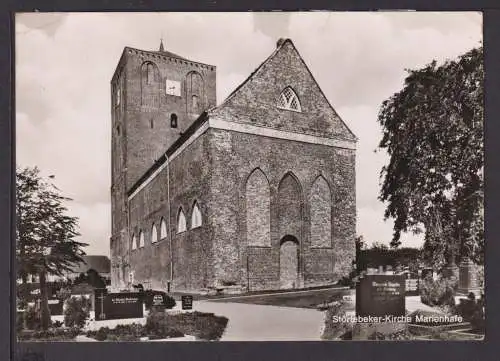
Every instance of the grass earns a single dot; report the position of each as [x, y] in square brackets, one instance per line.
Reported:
[310, 298]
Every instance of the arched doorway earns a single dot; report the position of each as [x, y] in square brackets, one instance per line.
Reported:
[289, 262]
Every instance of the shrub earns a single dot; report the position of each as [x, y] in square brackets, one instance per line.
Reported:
[395, 336]
[77, 311]
[438, 293]
[57, 324]
[102, 334]
[32, 318]
[59, 334]
[148, 299]
[19, 320]
[130, 332]
[472, 311]
[204, 326]
[158, 326]
[350, 280]
[336, 330]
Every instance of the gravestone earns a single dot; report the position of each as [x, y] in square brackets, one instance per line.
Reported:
[381, 295]
[156, 300]
[467, 278]
[380, 306]
[187, 302]
[109, 306]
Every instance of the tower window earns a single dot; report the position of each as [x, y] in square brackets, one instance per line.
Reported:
[173, 121]
[151, 123]
[118, 129]
[289, 100]
[118, 96]
[150, 73]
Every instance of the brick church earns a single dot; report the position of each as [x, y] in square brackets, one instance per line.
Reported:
[255, 193]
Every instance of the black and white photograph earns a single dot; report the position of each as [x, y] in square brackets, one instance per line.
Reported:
[249, 176]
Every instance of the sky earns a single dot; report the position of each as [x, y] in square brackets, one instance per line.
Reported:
[65, 61]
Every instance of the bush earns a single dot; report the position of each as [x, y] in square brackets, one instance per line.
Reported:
[32, 318]
[77, 311]
[158, 326]
[204, 326]
[350, 280]
[438, 293]
[336, 330]
[148, 299]
[102, 334]
[130, 332]
[19, 321]
[472, 311]
[395, 336]
[59, 334]
[57, 324]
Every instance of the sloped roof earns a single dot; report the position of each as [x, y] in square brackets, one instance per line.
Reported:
[101, 264]
[280, 44]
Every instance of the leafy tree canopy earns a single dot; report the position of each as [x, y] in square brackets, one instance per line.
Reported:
[433, 133]
[45, 233]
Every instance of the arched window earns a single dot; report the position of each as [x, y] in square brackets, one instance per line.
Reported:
[163, 229]
[321, 214]
[181, 222]
[258, 210]
[173, 120]
[134, 242]
[289, 100]
[195, 92]
[141, 239]
[196, 216]
[150, 85]
[118, 95]
[154, 234]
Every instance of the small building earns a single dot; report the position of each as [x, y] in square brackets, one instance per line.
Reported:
[100, 264]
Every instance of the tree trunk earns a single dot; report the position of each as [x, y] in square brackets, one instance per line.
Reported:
[44, 304]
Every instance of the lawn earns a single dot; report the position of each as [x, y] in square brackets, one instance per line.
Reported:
[300, 298]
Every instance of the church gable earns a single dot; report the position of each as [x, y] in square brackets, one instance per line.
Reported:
[282, 94]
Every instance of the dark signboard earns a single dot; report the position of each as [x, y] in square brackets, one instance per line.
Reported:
[110, 306]
[187, 302]
[381, 295]
[55, 306]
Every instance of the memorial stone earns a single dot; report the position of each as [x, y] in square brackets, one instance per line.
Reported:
[187, 302]
[110, 306]
[380, 296]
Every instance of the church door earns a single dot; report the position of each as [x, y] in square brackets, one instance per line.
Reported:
[289, 262]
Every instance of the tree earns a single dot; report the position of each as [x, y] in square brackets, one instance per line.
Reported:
[45, 243]
[433, 133]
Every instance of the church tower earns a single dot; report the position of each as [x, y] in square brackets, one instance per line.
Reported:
[155, 97]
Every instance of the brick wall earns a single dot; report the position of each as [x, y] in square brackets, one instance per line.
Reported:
[147, 125]
[233, 161]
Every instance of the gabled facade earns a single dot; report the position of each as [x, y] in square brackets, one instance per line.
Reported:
[258, 192]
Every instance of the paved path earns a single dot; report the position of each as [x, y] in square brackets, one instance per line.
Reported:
[265, 323]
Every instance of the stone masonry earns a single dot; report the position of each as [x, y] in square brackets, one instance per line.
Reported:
[275, 186]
